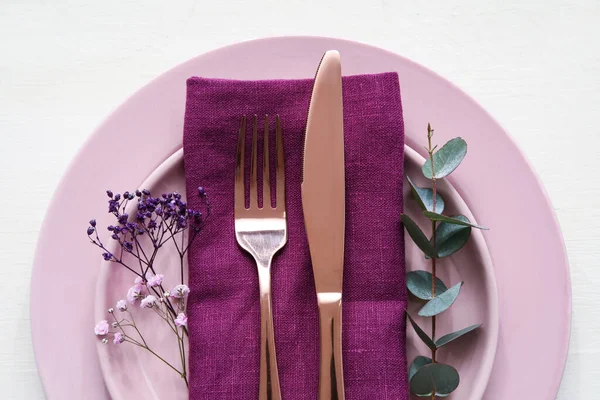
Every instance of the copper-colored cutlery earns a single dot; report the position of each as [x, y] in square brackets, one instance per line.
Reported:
[263, 231]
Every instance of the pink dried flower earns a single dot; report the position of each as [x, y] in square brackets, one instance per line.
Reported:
[122, 305]
[181, 320]
[138, 280]
[155, 280]
[148, 301]
[134, 293]
[119, 338]
[102, 328]
[180, 291]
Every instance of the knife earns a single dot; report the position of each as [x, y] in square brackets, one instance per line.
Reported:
[323, 204]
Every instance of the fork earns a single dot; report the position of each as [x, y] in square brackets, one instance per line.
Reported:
[262, 232]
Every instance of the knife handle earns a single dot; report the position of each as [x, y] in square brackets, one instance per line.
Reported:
[331, 376]
[269, 388]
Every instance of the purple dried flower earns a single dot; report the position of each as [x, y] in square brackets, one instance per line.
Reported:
[107, 256]
[158, 210]
[138, 193]
[110, 228]
[126, 195]
[115, 236]
[90, 230]
[109, 194]
[146, 192]
[152, 224]
[123, 219]
[177, 195]
[93, 223]
[128, 246]
[182, 208]
[201, 191]
[113, 206]
[117, 197]
[142, 205]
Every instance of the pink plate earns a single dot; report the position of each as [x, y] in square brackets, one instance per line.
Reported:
[477, 303]
[495, 180]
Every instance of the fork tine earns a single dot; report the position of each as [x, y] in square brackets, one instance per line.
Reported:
[266, 177]
[254, 166]
[280, 167]
[240, 202]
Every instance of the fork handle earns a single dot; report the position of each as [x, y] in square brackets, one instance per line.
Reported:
[331, 375]
[268, 388]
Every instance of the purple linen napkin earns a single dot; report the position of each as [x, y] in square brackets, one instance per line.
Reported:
[224, 301]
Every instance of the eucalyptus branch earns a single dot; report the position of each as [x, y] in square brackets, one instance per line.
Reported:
[428, 377]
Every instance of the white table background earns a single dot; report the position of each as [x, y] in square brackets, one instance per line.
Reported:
[64, 65]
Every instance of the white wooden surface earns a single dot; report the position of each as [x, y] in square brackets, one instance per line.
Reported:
[64, 65]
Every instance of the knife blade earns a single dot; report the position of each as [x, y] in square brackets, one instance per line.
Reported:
[323, 204]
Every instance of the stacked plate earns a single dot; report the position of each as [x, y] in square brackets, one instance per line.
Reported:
[509, 269]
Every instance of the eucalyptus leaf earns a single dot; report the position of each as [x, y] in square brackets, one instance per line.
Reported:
[441, 379]
[424, 197]
[417, 363]
[441, 303]
[439, 217]
[455, 335]
[419, 284]
[446, 159]
[449, 238]
[426, 339]
[418, 236]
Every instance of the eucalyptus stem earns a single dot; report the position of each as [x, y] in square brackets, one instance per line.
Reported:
[433, 229]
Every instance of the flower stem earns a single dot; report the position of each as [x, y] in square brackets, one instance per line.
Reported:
[162, 359]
